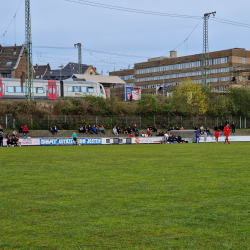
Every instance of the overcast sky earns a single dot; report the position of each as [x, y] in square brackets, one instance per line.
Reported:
[62, 23]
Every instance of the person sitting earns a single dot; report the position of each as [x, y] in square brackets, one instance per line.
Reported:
[90, 130]
[98, 128]
[14, 141]
[208, 131]
[119, 130]
[25, 130]
[14, 132]
[129, 130]
[131, 135]
[181, 128]
[21, 129]
[170, 139]
[179, 139]
[137, 133]
[56, 130]
[9, 141]
[51, 130]
[102, 129]
[125, 131]
[115, 131]
[148, 131]
[81, 130]
[135, 128]
[94, 129]
[151, 128]
[17, 141]
[86, 129]
[154, 128]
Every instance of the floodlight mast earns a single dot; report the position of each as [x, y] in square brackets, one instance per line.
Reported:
[28, 44]
[205, 54]
[79, 46]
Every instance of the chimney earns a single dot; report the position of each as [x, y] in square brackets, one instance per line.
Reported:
[173, 53]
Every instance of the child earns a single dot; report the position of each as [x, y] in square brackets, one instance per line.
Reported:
[216, 134]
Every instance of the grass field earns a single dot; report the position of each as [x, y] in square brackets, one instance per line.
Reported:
[186, 196]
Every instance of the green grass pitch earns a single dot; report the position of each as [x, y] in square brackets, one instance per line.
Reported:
[185, 196]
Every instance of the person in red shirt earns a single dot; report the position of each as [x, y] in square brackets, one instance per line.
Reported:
[25, 130]
[216, 135]
[226, 132]
[131, 135]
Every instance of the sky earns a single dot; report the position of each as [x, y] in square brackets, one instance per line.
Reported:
[113, 39]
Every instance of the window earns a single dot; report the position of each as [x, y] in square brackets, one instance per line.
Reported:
[90, 89]
[11, 89]
[83, 89]
[18, 89]
[8, 64]
[40, 90]
[14, 53]
[37, 77]
[70, 88]
[101, 90]
[77, 88]
[243, 60]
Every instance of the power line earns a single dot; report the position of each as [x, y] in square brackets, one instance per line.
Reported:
[131, 10]
[11, 20]
[100, 5]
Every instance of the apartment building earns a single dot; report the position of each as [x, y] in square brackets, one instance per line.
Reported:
[171, 71]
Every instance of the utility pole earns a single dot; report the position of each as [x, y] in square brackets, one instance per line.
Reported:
[79, 45]
[28, 44]
[205, 54]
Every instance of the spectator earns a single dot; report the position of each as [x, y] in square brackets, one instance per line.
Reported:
[119, 130]
[115, 131]
[1, 139]
[102, 129]
[148, 131]
[233, 128]
[137, 133]
[90, 130]
[226, 123]
[14, 132]
[208, 131]
[81, 130]
[125, 131]
[131, 135]
[94, 129]
[216, 127]
[202, 130]
[25, 130]
[129, 130]
[17, 141]
[181, 128]
[86, 129]
[56, 130]
[1, 129]
[135, 128]
[154, 128]
[7, 136]
[98, 128]
[9, 141]
[14, 141]
[51, 130]
[21, 129]
[221, 127]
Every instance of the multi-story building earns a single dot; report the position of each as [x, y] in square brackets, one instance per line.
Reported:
[171, 71]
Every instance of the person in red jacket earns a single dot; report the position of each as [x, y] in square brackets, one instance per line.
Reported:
[216, 135]
[226, 132]
[25, 130]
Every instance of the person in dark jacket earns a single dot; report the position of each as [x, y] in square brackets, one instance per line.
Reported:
[1, 139]
[221, 127]
[233, 128]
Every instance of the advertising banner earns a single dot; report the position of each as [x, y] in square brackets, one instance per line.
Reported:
[26, 142]
[52, 93]
[69, 141]
[138, 140]
[1, 88]
[133, 94]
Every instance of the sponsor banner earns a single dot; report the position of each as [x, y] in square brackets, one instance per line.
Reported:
[69, 141]
[107, 141]
[139, 140]
[26, 142]
[1, 88]
[230, 138]
[133, 93]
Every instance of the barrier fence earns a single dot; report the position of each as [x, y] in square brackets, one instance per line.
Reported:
[66, 122]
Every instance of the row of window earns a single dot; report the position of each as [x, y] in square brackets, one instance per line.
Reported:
[11, 89]
[127, 77]
[220, 88]
[80, 89]
[182, 66]
[178, 75]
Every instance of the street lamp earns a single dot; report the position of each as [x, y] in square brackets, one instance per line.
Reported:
[61, 67]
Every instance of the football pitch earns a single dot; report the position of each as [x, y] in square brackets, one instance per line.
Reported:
[185, 196]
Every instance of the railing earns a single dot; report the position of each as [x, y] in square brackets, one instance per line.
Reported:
[66, 122]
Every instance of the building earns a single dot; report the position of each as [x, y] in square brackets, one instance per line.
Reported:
[171, 71]
[40, 70]
[69, 70]
[12, 62]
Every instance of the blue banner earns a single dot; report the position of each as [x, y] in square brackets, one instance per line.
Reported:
[69, 141]
[129, 94]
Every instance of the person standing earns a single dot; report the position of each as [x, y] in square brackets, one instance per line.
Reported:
[74, 137]
[197, 135]
[216, 135]
[1, 139]
[233, 128]
[226, 132]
